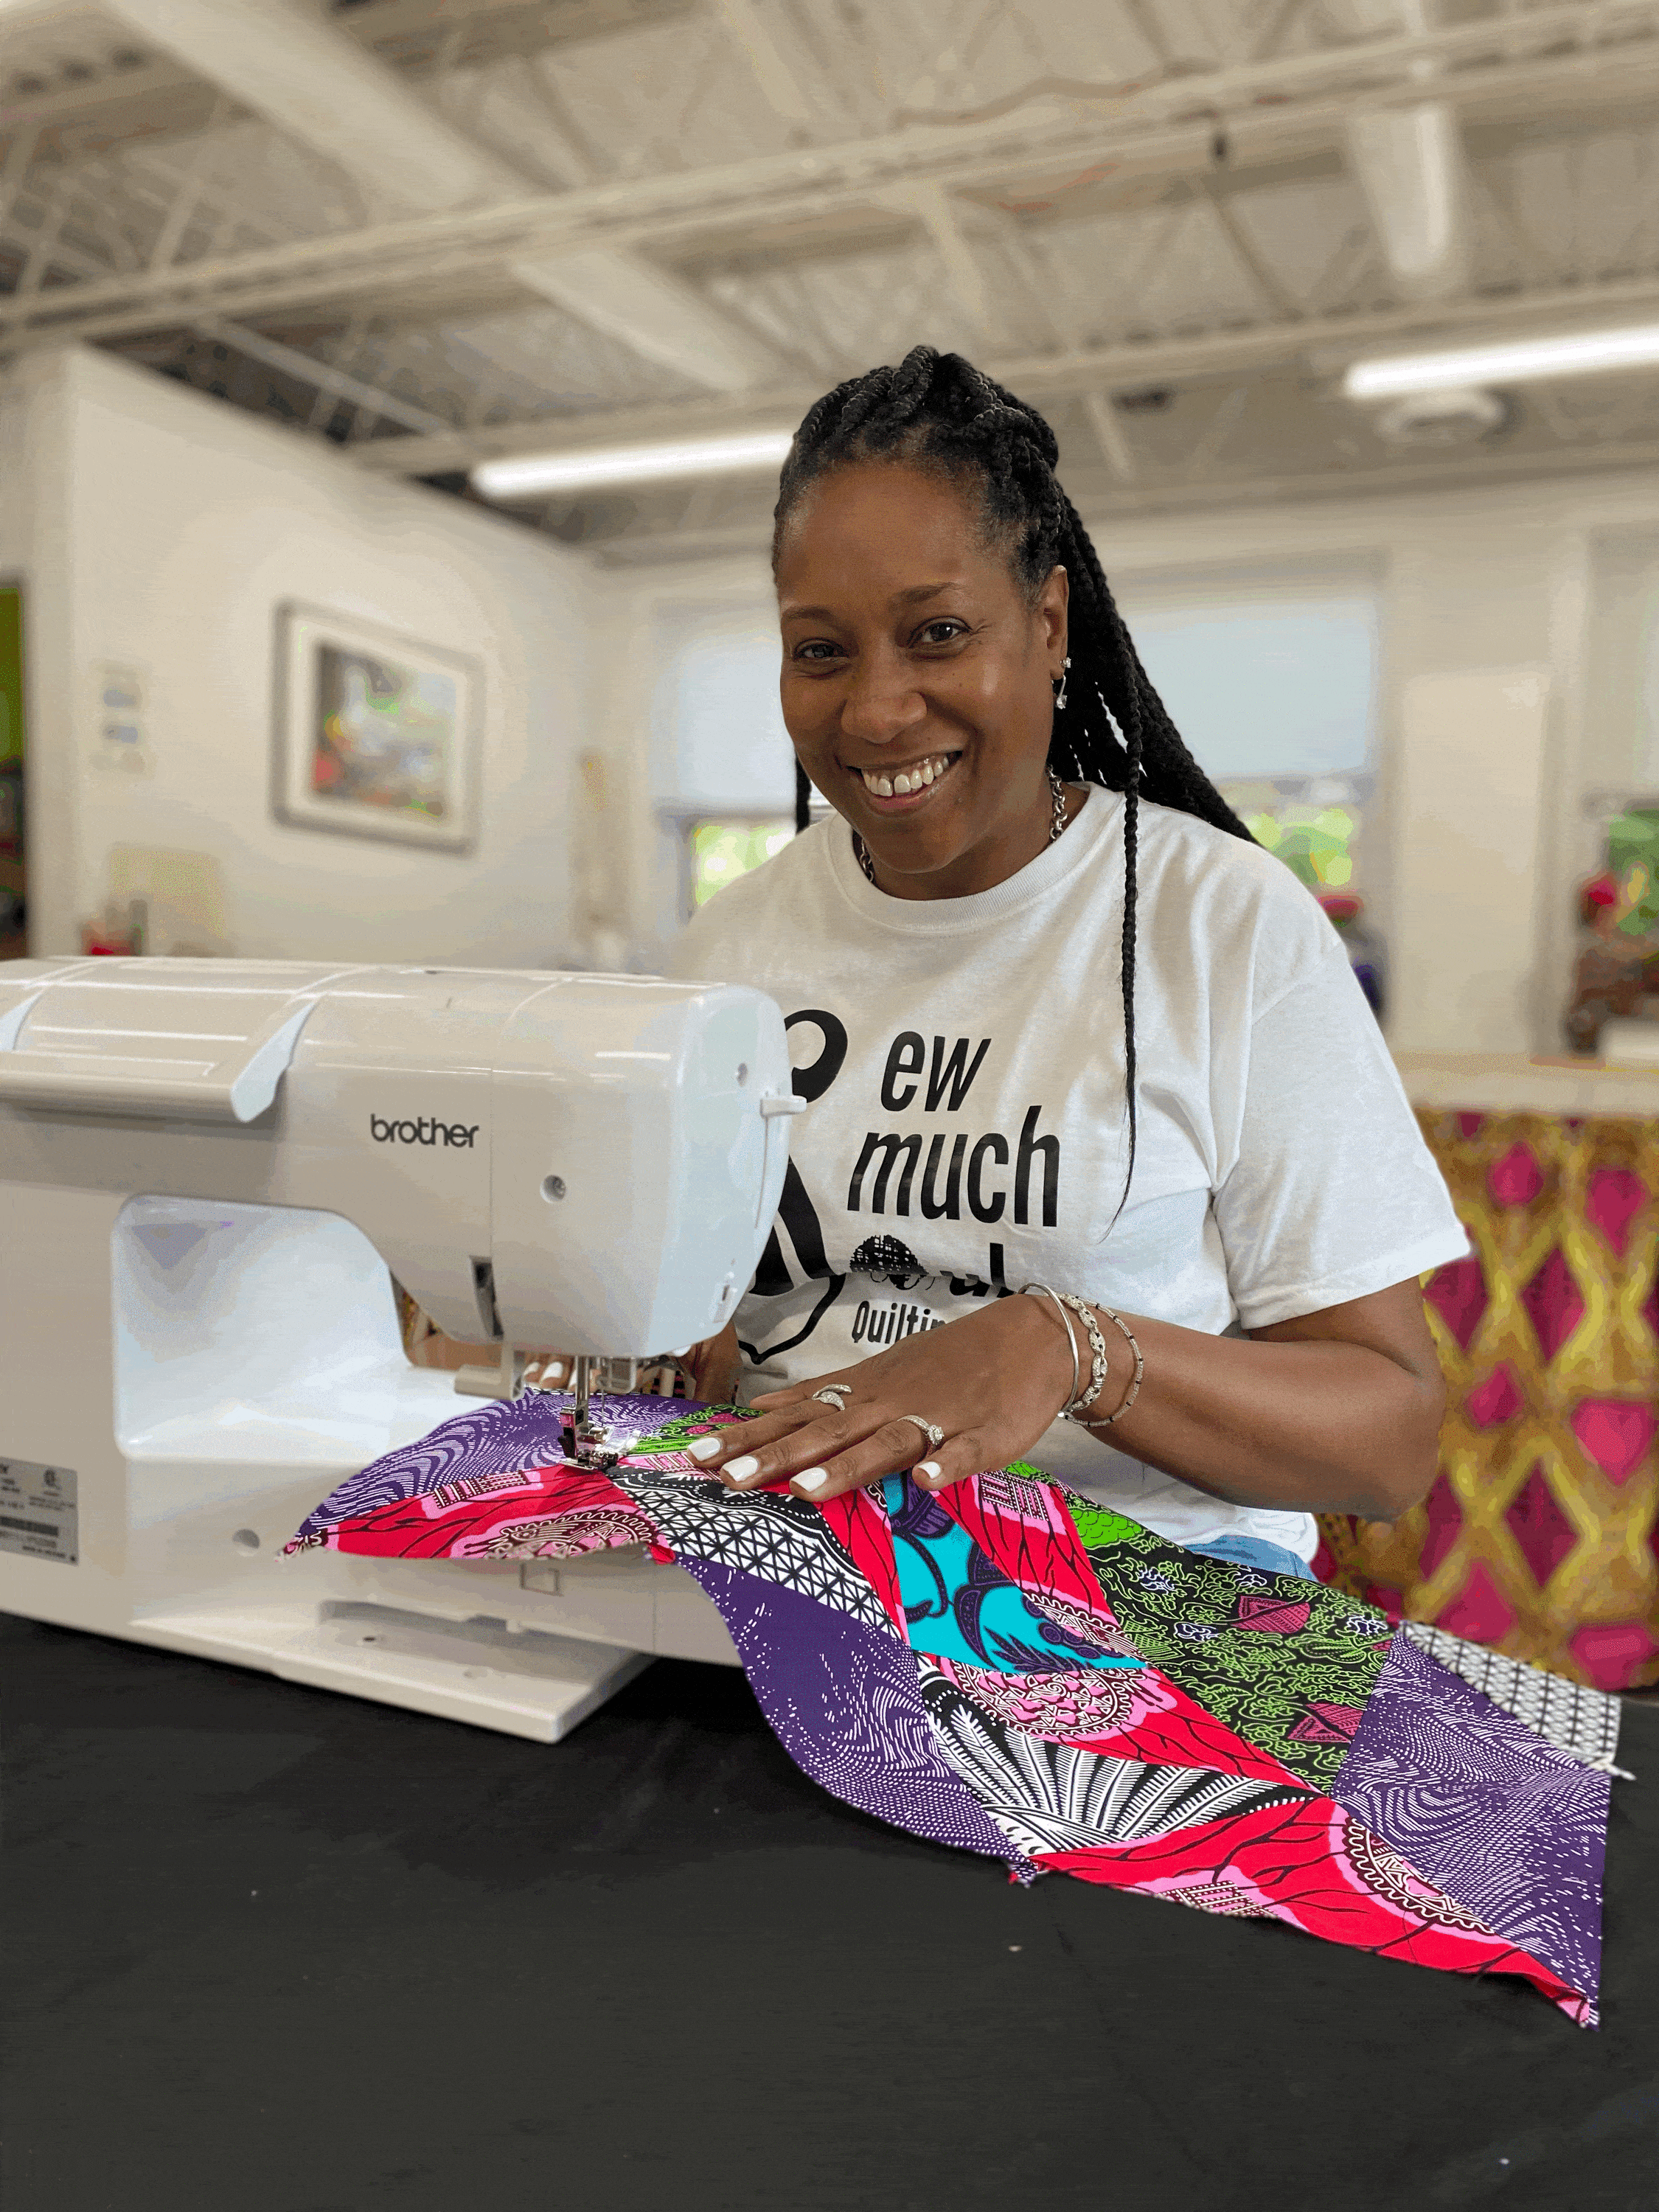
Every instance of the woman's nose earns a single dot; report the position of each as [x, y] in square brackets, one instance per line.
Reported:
[880, 703]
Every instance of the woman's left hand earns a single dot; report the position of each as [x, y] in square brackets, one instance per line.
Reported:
[992, 1382]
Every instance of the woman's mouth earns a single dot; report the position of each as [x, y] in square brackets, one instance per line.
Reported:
[898, 790]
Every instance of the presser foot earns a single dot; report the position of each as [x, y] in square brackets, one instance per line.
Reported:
[586, 1446]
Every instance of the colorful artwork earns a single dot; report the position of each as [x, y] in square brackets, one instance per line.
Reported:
[1539, 1535]
[374, 732]
[1008, 1669]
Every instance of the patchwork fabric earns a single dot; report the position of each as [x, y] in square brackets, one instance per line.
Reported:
[958, 1603]
[511, 1436]
[539, 1512]
[1481, 1805]
[1287, 1663]
[1010, 1670]
[1313, 1867]
[1047, 1795]
[846, 1705]
[768, 1532]
[1566, 1714]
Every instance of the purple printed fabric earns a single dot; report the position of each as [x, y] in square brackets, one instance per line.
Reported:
[1511, 1826]
[844, 1702]
[500, 1438]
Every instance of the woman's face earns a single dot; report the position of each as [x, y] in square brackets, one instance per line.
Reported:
[917, 680]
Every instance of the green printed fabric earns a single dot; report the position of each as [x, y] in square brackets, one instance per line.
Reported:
[1290, 1662]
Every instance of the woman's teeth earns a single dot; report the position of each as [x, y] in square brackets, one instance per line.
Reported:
[916, 777]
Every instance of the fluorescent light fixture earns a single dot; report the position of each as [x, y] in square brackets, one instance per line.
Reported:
[527, 475]
[1574, 353]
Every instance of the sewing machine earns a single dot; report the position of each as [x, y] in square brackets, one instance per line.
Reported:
[209, 1173]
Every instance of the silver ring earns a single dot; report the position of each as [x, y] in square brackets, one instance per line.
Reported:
[935, 1437]
[832, 1394]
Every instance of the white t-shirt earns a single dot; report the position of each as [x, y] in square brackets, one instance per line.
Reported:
[963, 1059]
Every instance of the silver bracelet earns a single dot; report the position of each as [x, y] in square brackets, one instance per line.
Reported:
[1070, 1339]
[1080, 1404]
[1140, 1369]
[1086, 1313]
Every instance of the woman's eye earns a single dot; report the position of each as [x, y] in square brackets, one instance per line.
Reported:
[945, 631]
[815, 648]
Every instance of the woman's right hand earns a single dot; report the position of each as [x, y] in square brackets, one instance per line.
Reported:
[712, 1367]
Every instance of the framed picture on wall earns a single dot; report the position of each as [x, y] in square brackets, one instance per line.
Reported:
[376, 735]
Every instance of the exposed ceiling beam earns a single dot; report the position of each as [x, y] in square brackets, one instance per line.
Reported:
[654, 313]
[1410, 165]
[286, 63]
[1109, 436]
[1142, 135]
[148, 92]
[296, 69]
[1417, 472]
[929, 206]
[783, 82]
[305, 370]
[1319, 343]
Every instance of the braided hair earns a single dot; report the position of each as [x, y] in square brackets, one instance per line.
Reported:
[937, 413]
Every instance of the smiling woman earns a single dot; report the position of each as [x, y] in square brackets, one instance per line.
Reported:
[1064, 1027]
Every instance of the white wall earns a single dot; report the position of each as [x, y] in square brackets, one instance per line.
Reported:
[1483, 591]
[163, 529]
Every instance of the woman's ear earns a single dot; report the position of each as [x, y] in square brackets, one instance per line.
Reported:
[1054, 602]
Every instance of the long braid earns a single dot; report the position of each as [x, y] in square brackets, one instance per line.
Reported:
[938, 413]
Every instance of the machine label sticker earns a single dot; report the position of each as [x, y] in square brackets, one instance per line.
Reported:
[38, 1511]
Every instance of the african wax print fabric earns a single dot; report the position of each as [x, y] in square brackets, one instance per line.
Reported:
[1541, 1535]
[1015, 1670]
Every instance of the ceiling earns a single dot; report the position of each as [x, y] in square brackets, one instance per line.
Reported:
[434, 231]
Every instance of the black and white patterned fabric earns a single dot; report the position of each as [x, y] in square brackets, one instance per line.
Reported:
[1050, 1796]
[760, 1531]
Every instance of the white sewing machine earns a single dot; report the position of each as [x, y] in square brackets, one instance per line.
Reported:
[209, 1170]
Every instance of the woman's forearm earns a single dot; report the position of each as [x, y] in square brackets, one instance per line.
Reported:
[1316, 1420]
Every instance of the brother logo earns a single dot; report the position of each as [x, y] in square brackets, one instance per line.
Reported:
[426, 1131]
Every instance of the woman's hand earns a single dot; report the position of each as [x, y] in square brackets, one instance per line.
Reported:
[992, 1382]
[712, 1367]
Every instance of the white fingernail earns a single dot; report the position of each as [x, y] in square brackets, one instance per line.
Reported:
[930, 1468]
[705, 1447]
[814, 1477]
[741, 1469]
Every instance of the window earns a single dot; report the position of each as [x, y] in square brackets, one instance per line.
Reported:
[1314, 843]
[1621, 723]
[722, 767]
[1271, 679]
[719, 851]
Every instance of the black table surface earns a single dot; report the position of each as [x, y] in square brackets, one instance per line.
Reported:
[267, 1949]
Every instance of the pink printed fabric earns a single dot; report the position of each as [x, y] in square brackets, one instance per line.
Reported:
[1010, 1670]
